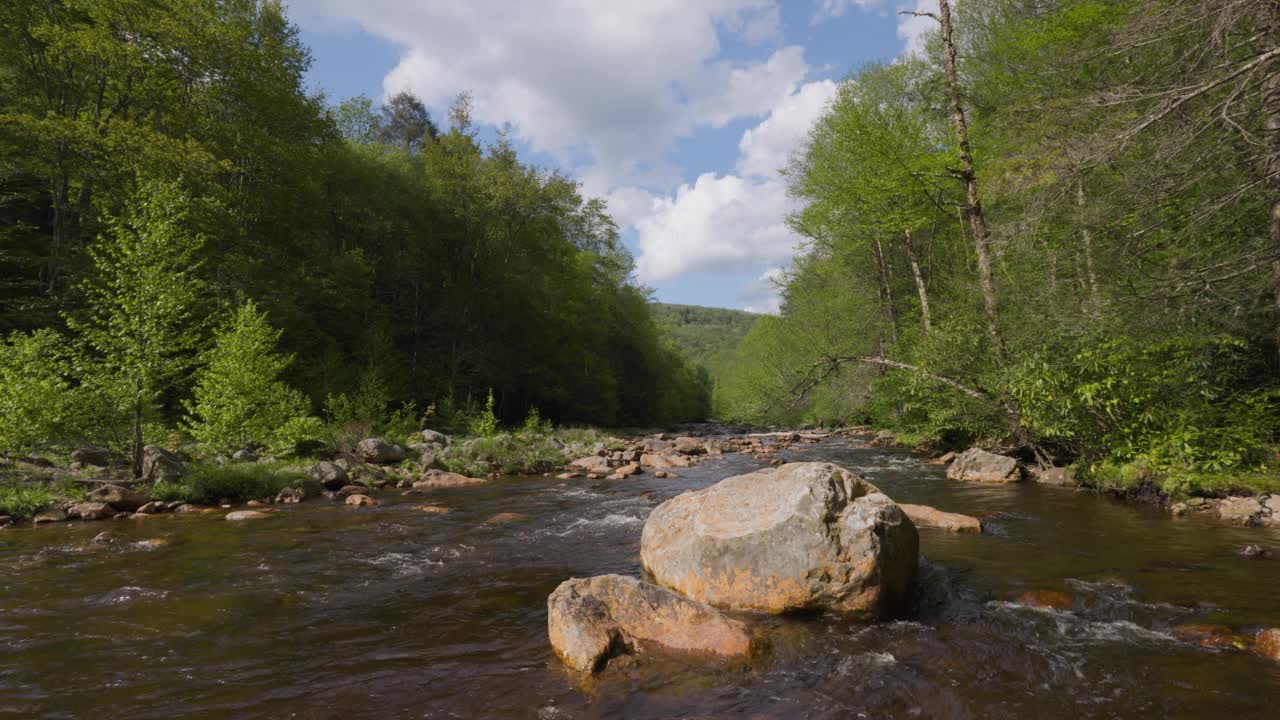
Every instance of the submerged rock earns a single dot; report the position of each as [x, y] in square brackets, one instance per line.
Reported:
[928, 517]
[1046, 599]
[594, 619]
[359, 500]
[506, 517]
[1211, 636]
[155, 507]
[239, 515]
[978, 465]
[802, 536]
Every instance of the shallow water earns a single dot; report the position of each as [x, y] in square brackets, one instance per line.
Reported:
[325, 611]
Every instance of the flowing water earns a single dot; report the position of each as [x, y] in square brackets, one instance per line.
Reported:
[325, 611]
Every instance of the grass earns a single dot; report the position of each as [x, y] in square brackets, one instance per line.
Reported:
[1132, 477]
[213, 484]
[23, 502]
[506, 453]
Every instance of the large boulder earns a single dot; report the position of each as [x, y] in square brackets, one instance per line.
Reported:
[589, 464]
[1063, 476]
[329, 474]
[91, 455]
[1242, 511]
[435, 479]
[379, 451]
[91, 511]
[978, 465]
[593, 619]
[689, 446]
[801, 536]
[161, 465]
[121, 498]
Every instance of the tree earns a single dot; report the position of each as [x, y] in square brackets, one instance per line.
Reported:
[139, 328]
[404, 122]
[35, 395]
[239, 398]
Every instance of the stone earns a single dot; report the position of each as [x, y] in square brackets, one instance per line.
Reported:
[435, 509]
[161, 465]
[379, 451]
[799, 537]
[358, 500]
[441, 479]
[155, 507]
[630, 469]
[1242, 511]
[121, 498]
[103, 538]
[91, 455]
[663, 474]
[569, 476]
[589, 464]
[594, 619]
[1210, 636]
[290, 496]
[689, 446]
[240, 515]
[506, 517]
[245, 455]
[188, 508]
[1060, 476]
[1267, 643]
[439, 438]
[1252, 551]
[91, 511]
[978, 465]
[349, 490]
[923, 516]
[654, 445]
[331, 475]
[1046, 599]
[50, 515]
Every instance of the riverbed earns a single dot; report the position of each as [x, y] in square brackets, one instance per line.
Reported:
[330, 611]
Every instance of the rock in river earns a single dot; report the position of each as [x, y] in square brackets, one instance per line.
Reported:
[924, 516]
[978, 465]
[591, 620]
[801, 536]
[380, 452]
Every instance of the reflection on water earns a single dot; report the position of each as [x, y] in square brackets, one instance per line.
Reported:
[326, 611]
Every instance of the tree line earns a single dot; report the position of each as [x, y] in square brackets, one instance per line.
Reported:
[1055, 229]
[172, 195]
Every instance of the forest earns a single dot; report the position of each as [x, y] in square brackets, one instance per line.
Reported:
[1056, 229]
[194, 245]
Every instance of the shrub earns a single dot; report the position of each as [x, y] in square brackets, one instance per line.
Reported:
[485, 423]
[239, 398]
[506, 454]
[210, 484]
[35, 397]
[22, 502]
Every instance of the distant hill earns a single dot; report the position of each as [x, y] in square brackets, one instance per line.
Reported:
[706, 336]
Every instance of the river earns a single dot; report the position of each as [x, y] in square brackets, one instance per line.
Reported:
[326, 611]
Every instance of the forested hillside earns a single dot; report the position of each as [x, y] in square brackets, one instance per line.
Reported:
[166, 179]
[1057, 229]
[706, 336]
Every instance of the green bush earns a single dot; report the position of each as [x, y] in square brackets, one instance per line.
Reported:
[171, 491]
[22, 502]
[519, 454]
[239, 398]
[211, 484]
[35, 396]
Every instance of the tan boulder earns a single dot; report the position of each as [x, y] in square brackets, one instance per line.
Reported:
[593, 619]
[978, 465]
[442, 479]
[924, 516]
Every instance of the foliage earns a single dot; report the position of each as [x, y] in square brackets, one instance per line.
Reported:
[212, 484]
[36, 404]
[23, 502]
[1134, 317]
[505, 453]
[485, 424]
[238, 397]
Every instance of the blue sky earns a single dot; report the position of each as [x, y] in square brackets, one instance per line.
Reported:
[678, 112]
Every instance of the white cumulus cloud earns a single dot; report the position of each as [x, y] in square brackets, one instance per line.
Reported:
[766, 148]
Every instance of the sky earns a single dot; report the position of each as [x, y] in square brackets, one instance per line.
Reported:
[680, 113]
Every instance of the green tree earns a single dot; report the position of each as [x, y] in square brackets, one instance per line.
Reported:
[35, 395]
[139, 328]
[239, 397]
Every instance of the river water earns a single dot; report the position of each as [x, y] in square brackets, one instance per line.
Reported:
[325, 611]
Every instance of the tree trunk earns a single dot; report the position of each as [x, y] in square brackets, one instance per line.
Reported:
[137, 431]
[919, 278]
[1086, 248]
[886, 293]
[968, 174]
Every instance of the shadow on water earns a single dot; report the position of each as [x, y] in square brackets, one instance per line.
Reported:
[326, 611]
